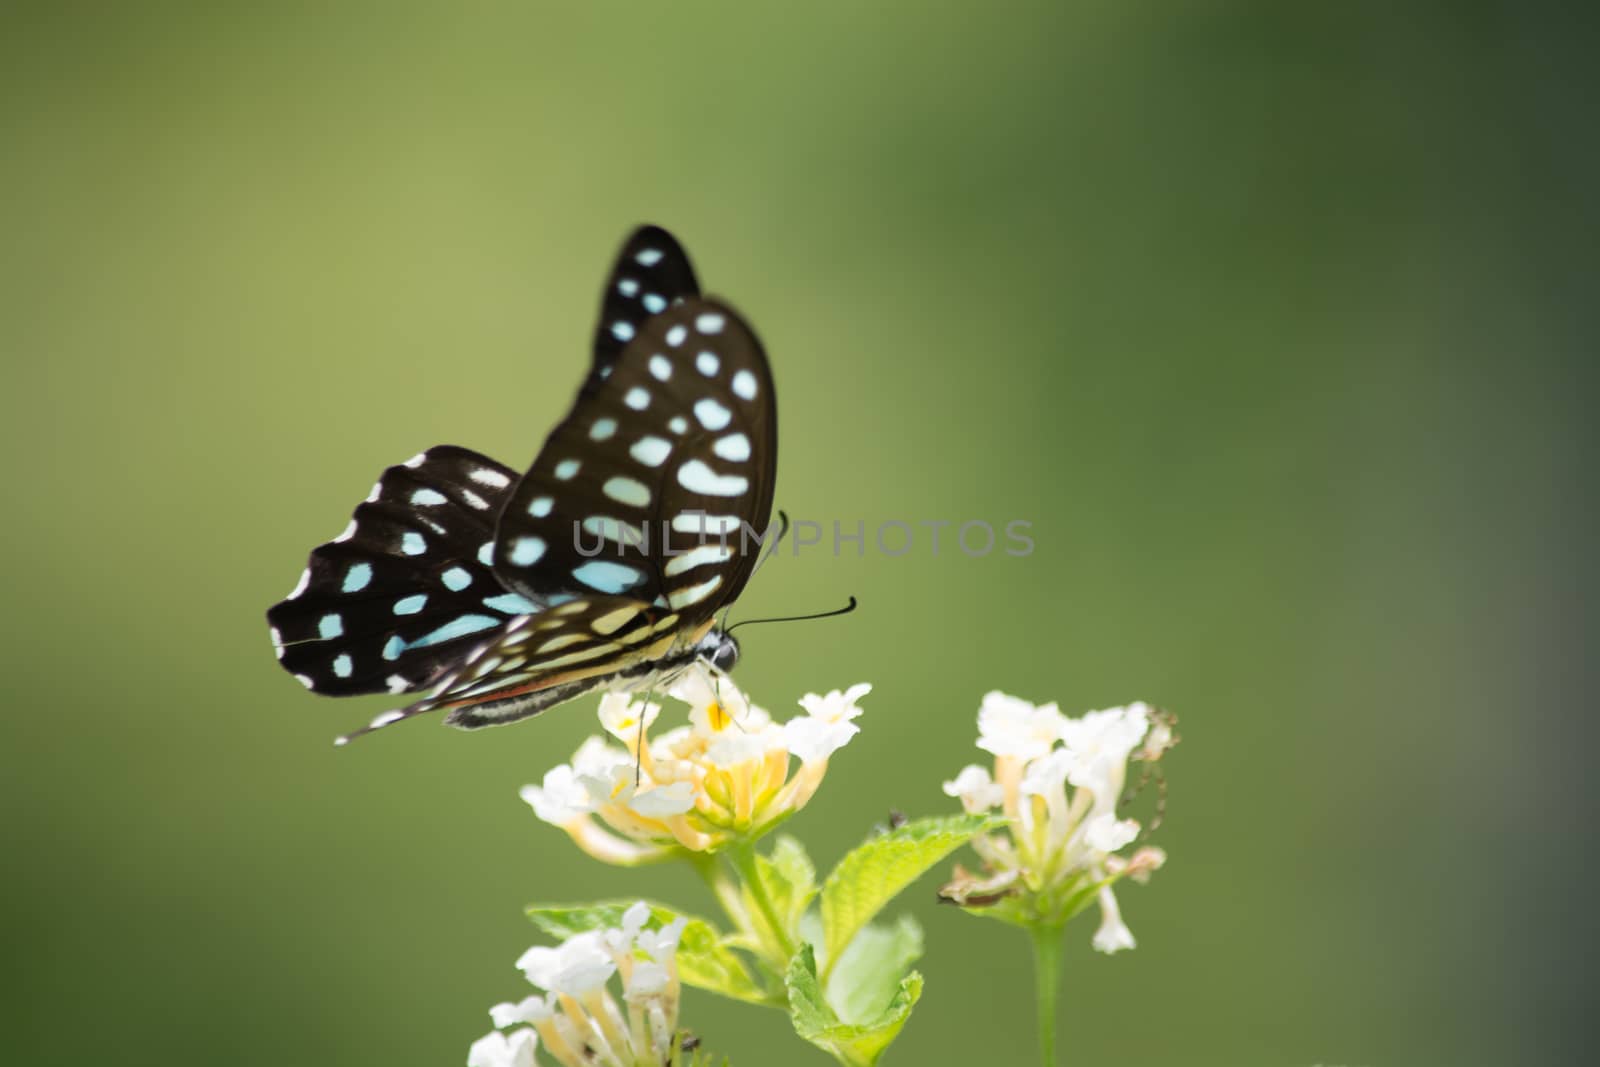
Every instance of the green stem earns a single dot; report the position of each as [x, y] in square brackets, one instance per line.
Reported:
[726, 892]
[1046, 980]
[744, 861]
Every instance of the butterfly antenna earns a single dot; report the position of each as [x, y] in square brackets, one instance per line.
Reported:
[847, 609]
[783, 531]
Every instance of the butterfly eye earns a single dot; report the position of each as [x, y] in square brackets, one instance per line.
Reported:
[725, 656]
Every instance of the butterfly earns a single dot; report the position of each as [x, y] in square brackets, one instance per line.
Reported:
[496, 595]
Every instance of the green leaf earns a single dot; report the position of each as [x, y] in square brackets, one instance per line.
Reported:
[704, 959]
[858, 1044]
[706, 962]
[561, 921]
[864, 982]
[873, 873]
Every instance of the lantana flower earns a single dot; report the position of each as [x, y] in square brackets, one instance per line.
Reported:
[577, 1020]
[726, 777]
[1058, 781]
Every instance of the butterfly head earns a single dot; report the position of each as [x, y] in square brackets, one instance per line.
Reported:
[720, 649]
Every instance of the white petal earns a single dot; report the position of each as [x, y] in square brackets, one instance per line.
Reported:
[733, 746]
[1047, 775]
[647, 980]
[1113, 935]
[1009, 726]
[501, 1050]
[620, 716]
[1107, 833]
[659, 944]
[977, 790]
[664, 800]
[635, 917]
[561, 799]
[1100, 743]
[836, 706]
[597, 757]
[814, 738]
[533, 1009]
[580, 965]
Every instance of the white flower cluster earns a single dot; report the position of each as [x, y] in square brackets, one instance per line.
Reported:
[576, 1018]
[723, 777]
[1058, 781]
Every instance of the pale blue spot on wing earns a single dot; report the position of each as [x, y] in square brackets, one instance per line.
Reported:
[609, 529]
[427, 497]
[622, 330]
[744, 385]
[410, 605]
[654, 303]
[627, 287]
[694, 594]
[709, 322]
[393, 647]
[699, 478]
[567, 468]
[456, 579]
[697, 557]
[677, 424]
[511, 604]
[330, 626]
[735, 447]
[342, 665]
[357, 577]
[602, 429]
[413, 543]
[676, 335]
[712, 415]
[651, 451]
[660, 367]
[708, 363]
[608, 577]
[637, 399]
[698, 522]
[540, 506]
[486, 553]
[648, 257]
[627, 491]
[527, 551]
[466, 624]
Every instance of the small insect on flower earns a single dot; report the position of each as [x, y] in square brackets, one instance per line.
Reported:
[1059, 782]
[723, 779]
[577, 1019]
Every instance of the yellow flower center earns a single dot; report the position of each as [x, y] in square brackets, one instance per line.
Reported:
[716, 716]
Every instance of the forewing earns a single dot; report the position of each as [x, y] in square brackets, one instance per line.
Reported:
[680, 439]
[406, 590]
[651, 274]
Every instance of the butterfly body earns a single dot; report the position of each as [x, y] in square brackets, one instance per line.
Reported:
[494, 595]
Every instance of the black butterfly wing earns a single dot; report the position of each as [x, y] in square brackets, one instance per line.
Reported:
[406, 591]
[538, 661]
[679, 439]
[651, 273]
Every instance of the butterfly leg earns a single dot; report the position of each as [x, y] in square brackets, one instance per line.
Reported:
[638, 745]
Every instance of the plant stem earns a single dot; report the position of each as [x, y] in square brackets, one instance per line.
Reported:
[1046, 980]
[744, 861]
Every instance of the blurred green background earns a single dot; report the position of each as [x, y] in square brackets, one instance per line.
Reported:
[1275, 320]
